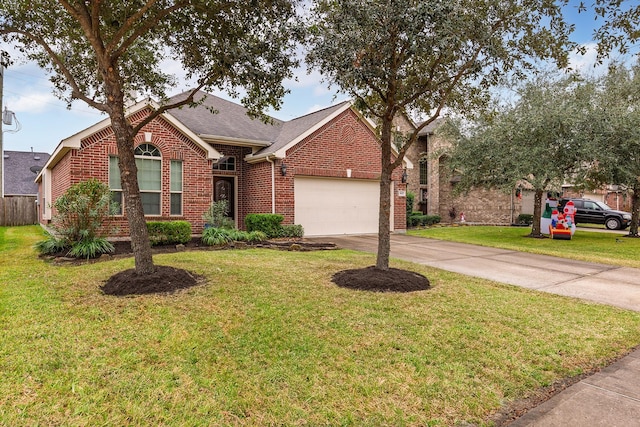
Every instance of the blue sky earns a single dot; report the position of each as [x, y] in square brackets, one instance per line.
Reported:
[45, 120]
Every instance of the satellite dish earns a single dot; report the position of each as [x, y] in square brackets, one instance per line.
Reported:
[35, 169]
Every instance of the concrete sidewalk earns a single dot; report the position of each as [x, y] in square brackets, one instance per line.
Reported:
[608, 398]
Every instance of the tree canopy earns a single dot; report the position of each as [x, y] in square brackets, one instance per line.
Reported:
[108, 52]
[620, 29]
[420, 57]
[539, 142]
[615, 132]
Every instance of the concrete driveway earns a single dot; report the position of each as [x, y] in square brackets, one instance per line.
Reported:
[617, 286]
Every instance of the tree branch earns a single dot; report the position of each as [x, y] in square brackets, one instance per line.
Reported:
[75, 89]
[155, 113]
[117, 51]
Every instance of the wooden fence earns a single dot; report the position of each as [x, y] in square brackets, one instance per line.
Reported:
[18, 210]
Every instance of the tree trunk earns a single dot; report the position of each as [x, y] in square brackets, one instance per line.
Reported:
[384, 227]
[635, 212]
[537, 214]
[124, 135]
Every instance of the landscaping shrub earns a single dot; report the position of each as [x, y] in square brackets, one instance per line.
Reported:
[217, 215]
[269, 224]
[431, 220]
[417, 218]
[80, 223]
[91, 248]
[52, 244]
[409, 205]
[213, 236]
[169, 232]
[524, 219]
[414, 219]
[294, 230]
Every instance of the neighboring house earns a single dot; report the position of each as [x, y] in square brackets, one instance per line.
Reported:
[321, 170]
[433, 184]
[20, 171]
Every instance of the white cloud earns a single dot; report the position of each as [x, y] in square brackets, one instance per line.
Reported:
[587, 63]
[31, 102]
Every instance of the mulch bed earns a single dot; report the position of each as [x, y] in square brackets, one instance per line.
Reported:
[376, 280]
[164, 279]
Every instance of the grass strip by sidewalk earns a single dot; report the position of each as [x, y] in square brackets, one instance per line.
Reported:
[590, 246]
[270, 340]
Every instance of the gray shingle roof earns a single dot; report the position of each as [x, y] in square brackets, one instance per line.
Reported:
[231, 120]
[20, 171]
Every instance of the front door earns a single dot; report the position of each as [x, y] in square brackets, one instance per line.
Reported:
[224, 189]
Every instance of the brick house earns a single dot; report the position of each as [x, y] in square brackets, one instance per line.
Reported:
[433, 184]
[321, 170]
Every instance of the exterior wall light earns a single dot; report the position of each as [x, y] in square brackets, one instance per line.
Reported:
[404, 176]
[283, 169]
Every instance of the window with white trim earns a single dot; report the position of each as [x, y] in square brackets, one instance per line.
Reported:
[114, 184]
[176, 187]
[149, 164]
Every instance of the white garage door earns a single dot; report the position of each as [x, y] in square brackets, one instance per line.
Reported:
[327, 206]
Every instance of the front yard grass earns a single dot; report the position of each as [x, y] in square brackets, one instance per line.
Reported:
[591, 246]
[270, 340]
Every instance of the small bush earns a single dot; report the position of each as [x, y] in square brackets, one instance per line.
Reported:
[256, 236]
[217, 215]
[52, 245]
[525, 219]
[213, 236]
[414, 218]
[81, 221]
[409, 205]
[417, 218]
[169, 232]
[294, 230]
[430, 220]
[269, 224]
[91, 248]
[220, 236]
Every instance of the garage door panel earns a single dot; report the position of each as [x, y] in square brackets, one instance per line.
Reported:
[336, 206]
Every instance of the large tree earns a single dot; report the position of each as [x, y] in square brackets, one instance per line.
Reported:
[614, 127]
[422, 56]
[103, 51]
[537, 142]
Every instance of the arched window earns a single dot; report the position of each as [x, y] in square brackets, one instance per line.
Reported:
[149, 164]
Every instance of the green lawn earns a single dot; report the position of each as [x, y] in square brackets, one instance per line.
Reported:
[270, 340]
[592, 246]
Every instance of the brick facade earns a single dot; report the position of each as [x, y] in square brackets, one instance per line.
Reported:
[344, 143]
[436, 195]
[92, 161]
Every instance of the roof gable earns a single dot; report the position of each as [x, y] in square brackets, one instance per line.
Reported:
[217, 120]
[75, 141]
